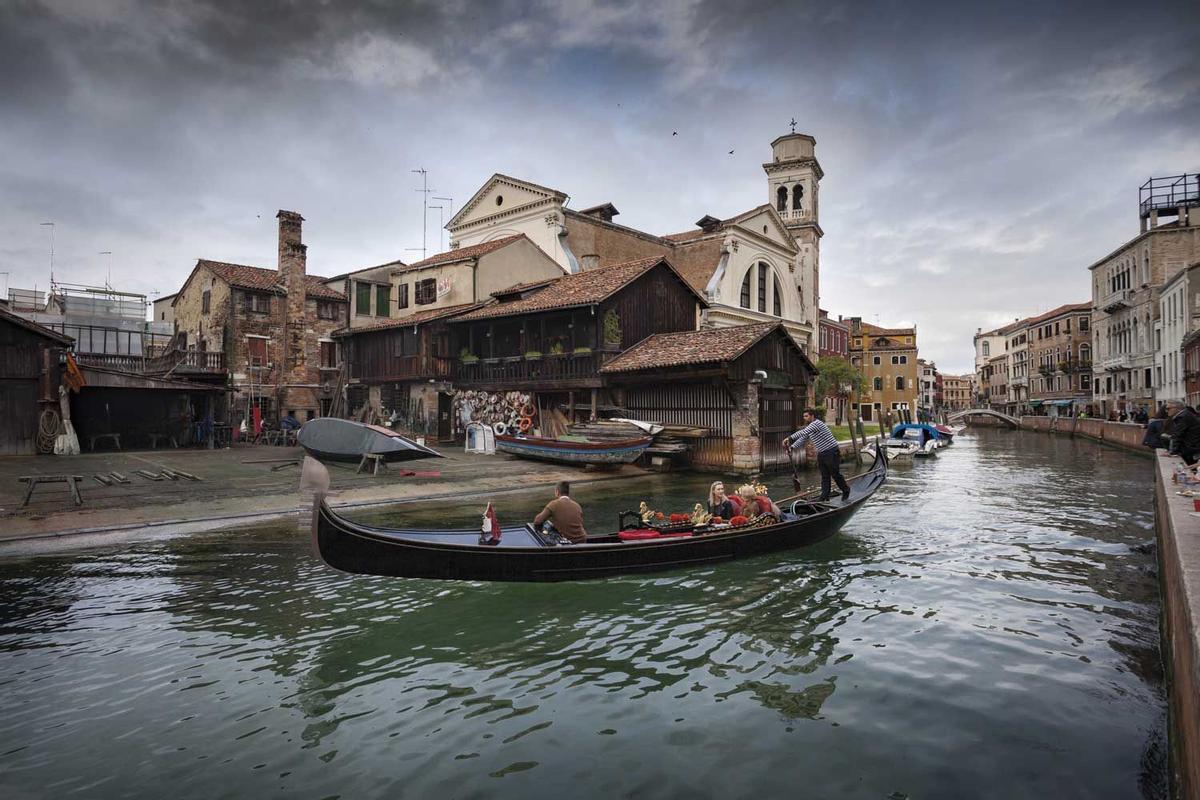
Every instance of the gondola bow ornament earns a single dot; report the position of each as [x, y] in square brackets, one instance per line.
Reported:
[491, 527]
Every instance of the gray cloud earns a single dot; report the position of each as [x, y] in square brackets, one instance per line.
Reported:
[977, 158]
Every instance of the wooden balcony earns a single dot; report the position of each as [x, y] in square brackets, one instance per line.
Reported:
[177, 362]
[403, 368]
[547, 372]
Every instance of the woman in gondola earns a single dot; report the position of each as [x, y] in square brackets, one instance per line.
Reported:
[755, 504]
[719, 505]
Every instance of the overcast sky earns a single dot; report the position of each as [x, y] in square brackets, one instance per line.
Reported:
[977, 157]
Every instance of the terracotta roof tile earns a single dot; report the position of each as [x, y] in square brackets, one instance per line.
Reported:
[1069, 308]
[419, 318]
[267, 280]
[711, 345]
[570, 291]
[461, 254]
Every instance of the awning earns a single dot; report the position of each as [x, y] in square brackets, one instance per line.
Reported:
[1035, 403]
[1061, 403]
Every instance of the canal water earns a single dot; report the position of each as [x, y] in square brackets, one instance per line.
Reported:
[986, 627]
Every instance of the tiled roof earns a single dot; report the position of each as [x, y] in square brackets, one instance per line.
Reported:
[697, 261]
[267, 280]
[518, 288]
[419, 318]
[1069, 308]
[461, 254]
[33, 327]
[871, 330]
[712, 345]
[570, 291]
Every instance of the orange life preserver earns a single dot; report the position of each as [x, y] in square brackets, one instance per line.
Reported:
[528, 410]
[525, 424]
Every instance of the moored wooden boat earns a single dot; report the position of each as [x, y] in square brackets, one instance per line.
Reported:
[526, 554]
[568, 451]
[333, 439]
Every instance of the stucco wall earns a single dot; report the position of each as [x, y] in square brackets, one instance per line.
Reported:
[519, 262]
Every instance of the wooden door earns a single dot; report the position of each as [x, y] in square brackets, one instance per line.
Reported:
[778, 416]
[445, 428]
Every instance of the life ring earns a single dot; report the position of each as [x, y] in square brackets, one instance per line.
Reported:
[500, 429]
[528, 410]
[525, 424]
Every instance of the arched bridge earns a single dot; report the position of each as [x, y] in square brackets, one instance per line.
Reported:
[984, 412]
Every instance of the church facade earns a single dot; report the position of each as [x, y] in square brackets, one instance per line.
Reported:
[760, 265]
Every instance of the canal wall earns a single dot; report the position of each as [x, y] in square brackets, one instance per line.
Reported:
[1179, 580]
[1126, 435]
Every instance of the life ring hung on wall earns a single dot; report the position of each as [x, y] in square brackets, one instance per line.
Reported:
[525, 424]
[528, 410]
[500, 429]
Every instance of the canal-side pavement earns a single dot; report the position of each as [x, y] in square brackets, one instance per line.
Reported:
[1179, 563]
[240, 485]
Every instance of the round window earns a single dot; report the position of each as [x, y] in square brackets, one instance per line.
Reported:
[499, 199]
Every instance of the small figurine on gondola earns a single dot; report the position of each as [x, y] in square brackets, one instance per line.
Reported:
[700, 516]
[490, 530]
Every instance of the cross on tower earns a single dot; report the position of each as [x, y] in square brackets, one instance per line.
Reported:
[793, 124]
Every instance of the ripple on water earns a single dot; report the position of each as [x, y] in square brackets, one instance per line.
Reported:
[981, 629]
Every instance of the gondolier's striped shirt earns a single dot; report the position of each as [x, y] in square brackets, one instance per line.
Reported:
[818, 433]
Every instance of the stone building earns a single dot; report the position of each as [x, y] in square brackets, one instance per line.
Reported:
[1060, 357]
[956, 392]
[1017, 346]
[761, 265]
[994, 381]
[1178, 315]
[929, 388]
[1125, 293]
[887, 358]
[987, 345]
[274, 326]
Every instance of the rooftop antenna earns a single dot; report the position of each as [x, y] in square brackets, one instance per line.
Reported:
[51, 226]
[424, 190]
[107, 269]
[449, 209]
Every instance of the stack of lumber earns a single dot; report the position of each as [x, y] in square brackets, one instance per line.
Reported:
[684, 432]
[665, 445]
[552, 422]
[604, 430]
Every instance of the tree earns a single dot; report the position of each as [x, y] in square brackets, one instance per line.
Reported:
[838, 378]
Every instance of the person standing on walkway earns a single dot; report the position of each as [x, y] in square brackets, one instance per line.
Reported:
[829, 457]
[1184, 429]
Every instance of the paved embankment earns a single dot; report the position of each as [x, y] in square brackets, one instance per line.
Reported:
[240, 484]
[1179, 563]
[1127, 435]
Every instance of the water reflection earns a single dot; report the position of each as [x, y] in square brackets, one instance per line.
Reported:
[986, 611]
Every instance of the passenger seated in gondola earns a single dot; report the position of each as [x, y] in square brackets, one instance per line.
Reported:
[565, 514]
[720, 505]
[755, 503]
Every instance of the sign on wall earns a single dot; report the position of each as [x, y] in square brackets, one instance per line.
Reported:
[444, 285]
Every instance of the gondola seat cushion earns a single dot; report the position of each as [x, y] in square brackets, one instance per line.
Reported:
[646, 533]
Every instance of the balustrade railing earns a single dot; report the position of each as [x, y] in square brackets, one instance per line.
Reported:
[543, 369]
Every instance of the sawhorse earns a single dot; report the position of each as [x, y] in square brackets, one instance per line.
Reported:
[72, 482]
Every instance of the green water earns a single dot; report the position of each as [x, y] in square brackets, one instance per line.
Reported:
[986, 627]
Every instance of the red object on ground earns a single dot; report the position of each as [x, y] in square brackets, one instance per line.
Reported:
[646, 533]
[1196, 503]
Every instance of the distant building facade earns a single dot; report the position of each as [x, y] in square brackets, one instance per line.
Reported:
[956, 392]
[1060, 353]
[887, 358]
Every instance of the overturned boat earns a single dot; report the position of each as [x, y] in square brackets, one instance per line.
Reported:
[524, 553]
[333, 439]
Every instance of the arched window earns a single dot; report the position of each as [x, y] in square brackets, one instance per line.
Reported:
[762, 287]
[900, 383]
[798, 197]
[1085, 353]
[744, 301]
[879, 384]
[777, 300]
[781, 199]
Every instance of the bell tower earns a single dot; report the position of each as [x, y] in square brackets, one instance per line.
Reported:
[793, 190]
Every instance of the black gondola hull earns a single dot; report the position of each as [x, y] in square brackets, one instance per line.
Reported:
[359, 549]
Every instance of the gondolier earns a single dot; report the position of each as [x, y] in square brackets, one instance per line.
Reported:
[829, 457]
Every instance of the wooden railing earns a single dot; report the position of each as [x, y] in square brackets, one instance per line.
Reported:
[518, 370]
[400, 368]
[179, 361]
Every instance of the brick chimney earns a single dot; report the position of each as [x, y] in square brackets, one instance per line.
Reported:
[292, 263]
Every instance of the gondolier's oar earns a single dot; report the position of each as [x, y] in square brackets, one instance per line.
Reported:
[797, 484]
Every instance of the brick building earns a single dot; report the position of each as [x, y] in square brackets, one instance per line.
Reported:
[275, 327]
[1060, 359]
[887, 358]
[833, 338]
[956, 392]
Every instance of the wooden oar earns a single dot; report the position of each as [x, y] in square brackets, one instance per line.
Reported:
[797, 484]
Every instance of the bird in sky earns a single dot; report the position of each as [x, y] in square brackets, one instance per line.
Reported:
[730, 152]
[674, 133]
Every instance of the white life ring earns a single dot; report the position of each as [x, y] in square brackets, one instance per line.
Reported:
[500, 429]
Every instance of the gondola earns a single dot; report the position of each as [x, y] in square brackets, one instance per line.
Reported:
[574, 451]
[527, 554]
[333, 439]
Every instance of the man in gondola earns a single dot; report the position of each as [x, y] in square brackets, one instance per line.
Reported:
[829, 457]
[565, 514]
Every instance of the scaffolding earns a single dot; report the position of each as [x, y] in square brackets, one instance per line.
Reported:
[1167, 195]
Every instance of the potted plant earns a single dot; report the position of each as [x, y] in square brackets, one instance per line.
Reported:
[533, 355]
[467, 357]
[556, 349]
[582, 351]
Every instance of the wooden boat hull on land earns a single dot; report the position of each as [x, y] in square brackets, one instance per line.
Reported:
[333, 439]
[561, 451]
[525, 555]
